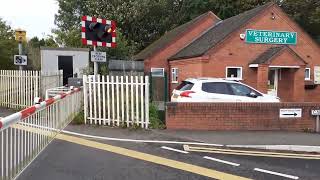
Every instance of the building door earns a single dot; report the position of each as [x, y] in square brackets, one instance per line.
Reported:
[273, 82]
[65, 63]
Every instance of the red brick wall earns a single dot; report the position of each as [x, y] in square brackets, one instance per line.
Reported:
[237, 116]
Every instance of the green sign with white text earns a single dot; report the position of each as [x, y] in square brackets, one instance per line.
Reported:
[270, 37]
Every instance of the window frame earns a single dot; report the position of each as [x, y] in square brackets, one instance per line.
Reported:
[237, 78]
[152, 69]
[309, 77]
[176, 74]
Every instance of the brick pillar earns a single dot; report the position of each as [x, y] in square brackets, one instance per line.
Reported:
[298, 85]
[262, 79]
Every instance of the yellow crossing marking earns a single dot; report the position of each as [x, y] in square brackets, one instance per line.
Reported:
[151, 158]
[250, 153]
[139, 155]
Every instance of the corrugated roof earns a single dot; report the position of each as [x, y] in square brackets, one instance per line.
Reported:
[218, 33]
[167, 38]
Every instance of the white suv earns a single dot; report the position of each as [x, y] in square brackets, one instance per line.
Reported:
[218, 90]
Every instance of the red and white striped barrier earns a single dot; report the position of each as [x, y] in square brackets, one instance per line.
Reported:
[16, 117]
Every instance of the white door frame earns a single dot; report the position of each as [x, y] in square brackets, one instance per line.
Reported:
[274, 91]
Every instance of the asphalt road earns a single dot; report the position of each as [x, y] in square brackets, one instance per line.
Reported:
[72, 161]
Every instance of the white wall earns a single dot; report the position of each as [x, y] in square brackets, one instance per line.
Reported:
[49, 59]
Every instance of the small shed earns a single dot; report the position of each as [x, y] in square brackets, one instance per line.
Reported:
[73, 61]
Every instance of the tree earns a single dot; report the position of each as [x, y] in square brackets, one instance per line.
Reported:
[8, 46]
[141, 22]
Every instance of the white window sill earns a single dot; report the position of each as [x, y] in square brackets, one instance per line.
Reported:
[174, 82]
[237, 79]
[307, 79]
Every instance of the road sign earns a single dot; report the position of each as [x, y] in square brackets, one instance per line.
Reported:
[98, 56]
[21, 35]
[290, 113]
[98, 32]
[315, 112]
[270, 37]
[317, 74]
[20, 60]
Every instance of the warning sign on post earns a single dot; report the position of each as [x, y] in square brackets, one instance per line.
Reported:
[20, 60]
[98, 56]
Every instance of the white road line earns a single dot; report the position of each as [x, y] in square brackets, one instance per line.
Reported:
[276, 173]
[222, 161]
[176, 150]
[126, 140]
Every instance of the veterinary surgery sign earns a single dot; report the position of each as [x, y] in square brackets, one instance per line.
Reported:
[270, 37]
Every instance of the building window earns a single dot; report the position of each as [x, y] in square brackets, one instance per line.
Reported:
[307, 74]
[157, 72]
[174, 75]
[234, 73]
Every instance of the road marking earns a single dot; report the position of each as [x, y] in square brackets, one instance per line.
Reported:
[250, 153]
[122, 139]
[176, 150]
[140, 155]
[222, 161]
[151, 158]
[276, 173]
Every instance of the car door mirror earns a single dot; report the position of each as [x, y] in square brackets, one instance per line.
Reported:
[252, 94]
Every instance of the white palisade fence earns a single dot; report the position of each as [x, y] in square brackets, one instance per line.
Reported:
[19, 88]
[23, 135]
[116, 100]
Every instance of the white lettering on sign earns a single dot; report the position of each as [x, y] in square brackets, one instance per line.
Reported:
[317, 74]
[315, 112]
[98, 56]
[290, 113]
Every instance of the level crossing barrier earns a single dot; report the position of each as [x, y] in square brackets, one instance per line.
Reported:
[23, 135]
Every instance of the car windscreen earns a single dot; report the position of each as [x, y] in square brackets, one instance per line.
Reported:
[216, 87]
[241, 90]
[185, 85]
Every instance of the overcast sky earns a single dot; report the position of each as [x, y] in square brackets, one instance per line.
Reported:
[34, 16]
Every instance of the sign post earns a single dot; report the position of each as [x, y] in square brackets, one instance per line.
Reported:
[95, 64]
[98, 32]
[316, 112]
[20, 36]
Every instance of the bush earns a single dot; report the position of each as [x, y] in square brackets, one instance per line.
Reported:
[79, 119]
[155, 121]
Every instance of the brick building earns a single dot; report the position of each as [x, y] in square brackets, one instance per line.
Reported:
[252, 47]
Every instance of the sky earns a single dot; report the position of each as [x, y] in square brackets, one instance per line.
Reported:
[34, 16]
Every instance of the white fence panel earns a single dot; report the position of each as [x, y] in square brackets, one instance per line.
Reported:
[19, 88]
[116, 101]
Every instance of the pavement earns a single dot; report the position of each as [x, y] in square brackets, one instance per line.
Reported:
[75, 157]
[269, 140]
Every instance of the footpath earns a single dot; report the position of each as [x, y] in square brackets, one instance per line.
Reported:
[269, 140]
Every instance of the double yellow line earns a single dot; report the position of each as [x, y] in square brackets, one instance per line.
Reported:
[250, 153]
